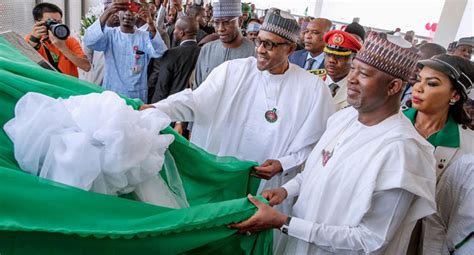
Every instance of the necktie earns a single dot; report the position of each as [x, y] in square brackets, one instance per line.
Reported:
[333, 87]
[310, 63]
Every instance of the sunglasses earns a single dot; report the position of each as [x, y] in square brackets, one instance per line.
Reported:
[268, 45]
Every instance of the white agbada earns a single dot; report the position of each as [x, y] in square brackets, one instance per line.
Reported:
[454, 220]
[228, 111]
[367, 198]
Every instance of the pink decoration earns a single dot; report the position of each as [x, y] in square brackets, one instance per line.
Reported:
[428, 26]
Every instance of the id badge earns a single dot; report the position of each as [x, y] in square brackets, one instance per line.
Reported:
[136, 69]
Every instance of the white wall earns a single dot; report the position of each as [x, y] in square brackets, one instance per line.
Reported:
[16, 15]
[466, 28]
[383, 14]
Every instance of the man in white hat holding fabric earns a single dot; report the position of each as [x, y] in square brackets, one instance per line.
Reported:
[369, 178]
[262, 109]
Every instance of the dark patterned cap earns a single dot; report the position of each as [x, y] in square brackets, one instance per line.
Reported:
[390, 54]
[226, 8]
[281, 23]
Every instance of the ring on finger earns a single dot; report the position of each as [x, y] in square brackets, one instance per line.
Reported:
[248, 233]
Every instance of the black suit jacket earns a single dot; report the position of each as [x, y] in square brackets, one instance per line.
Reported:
[176, 66]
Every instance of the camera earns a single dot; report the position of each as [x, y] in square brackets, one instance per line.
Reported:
[61, 31]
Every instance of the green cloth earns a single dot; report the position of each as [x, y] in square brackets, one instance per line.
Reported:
[38, 216]
[448, 136]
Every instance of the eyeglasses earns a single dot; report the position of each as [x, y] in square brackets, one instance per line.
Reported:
[223, 22]
[268, 45]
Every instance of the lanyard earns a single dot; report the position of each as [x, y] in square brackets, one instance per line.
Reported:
[55, 57]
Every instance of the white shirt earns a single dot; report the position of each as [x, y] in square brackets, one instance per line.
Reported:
[228, 111]
[379, 181]
[188, 40]
[454, 220]
[340, 99]
[319, 59]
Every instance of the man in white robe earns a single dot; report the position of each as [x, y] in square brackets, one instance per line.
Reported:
[369, 178]
[265, 110]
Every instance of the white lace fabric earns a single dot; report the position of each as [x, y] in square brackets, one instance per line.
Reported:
[95, 142]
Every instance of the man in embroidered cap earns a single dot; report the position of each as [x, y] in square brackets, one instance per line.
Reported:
[231, 44]
[262, 109]
[340, 49]
[369, 178]
[252, 29]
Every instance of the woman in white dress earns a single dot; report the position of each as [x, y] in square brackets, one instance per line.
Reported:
[438, 115]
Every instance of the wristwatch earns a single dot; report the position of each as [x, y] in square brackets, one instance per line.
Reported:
[285, 226]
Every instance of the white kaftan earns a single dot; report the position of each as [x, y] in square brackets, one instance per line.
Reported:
[228, 111]
[367, 198]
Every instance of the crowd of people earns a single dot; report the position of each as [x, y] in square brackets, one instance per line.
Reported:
[364, 139]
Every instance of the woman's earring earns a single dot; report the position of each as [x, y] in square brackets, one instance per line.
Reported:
[452, 101]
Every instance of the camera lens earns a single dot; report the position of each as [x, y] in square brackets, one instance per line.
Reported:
[61, 31]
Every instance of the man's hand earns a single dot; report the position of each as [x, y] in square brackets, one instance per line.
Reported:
[79, 61]
[145, 14]
[117, 5]
[146, 106]
[39, 30]
[275, 196]
[265, 218]
[178, 127]
[58, 43]
[268, 169]
[177, 4]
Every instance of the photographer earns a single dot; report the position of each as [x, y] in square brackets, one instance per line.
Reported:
[65, 55]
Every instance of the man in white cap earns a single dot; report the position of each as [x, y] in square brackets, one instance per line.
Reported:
[369, 178]
[231, 44]
[464, 47]
[262, 109]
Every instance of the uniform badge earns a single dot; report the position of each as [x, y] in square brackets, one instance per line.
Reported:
[338, 39]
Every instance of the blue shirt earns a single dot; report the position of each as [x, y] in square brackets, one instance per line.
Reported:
[119, 51]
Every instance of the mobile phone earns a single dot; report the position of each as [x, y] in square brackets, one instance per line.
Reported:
[134, 7]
